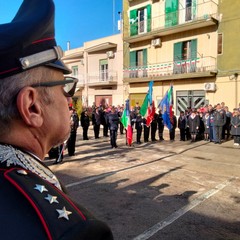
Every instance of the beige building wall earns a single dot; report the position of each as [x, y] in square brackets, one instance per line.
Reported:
[95, 51]
[96, 82]
[228, 91]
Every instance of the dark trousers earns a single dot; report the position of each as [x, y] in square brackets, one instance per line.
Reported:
[71, 143]
[226, 130]
[146, 133]
[187, 132]
[160, 131]
[121, 128]
[105, 130]
[139, 134]
[182, 134]
[113, 138]
[172, 134]
[218, 133]
[153, 132]
[212, 135]
[85, 133]
[96, 129]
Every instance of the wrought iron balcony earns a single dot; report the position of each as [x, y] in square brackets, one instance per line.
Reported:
[190, 68]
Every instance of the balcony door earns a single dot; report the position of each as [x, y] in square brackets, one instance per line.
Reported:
[138, 63]
[187, 10]
[142, 23]
[185, 56]
[140, 20]
[103, 68]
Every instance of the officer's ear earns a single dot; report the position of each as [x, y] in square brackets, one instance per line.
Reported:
[29, 107]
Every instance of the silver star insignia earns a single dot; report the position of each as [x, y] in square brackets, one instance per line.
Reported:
[41, 188]
[51, 199]
[63, 213]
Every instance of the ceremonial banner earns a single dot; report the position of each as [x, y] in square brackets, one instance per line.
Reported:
[166, 106]
[151, 112]
[125, 119]
[150, 91]
[144, 107]
[147, 109]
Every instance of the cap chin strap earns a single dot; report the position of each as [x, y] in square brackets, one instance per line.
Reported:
[43, 57]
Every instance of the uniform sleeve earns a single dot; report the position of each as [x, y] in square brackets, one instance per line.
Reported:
[58, 215]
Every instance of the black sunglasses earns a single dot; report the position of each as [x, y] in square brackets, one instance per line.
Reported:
[69, 83]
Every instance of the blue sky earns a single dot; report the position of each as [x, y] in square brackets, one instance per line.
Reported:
[77, 21]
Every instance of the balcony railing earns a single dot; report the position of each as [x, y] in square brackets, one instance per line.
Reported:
[102, 77]
[199, 65]
[202, 11]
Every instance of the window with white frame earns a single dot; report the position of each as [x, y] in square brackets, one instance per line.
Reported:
[103, 68]
[75, 71]
[140, 20]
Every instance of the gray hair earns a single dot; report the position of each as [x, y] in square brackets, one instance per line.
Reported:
[11, 86]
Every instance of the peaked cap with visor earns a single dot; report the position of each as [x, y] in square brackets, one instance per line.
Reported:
[28, 40]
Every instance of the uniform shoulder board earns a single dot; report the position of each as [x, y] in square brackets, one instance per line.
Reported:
[59, 216]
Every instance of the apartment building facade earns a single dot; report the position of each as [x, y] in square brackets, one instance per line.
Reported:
[171, 42]
[98, 66]
[191, 44]
[228, 77]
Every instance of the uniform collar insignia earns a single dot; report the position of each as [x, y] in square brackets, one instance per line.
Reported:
[51, 199]
[63, 213]
[41, 188]
[14, 157]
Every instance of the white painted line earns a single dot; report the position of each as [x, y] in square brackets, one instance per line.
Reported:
[173, 217]
[88, 180]
[113, 172]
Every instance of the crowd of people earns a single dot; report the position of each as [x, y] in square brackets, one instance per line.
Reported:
[209, 123]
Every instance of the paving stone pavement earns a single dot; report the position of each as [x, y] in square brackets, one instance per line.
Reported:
[157, 190]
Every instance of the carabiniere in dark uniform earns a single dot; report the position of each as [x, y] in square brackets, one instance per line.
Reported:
[33, 203]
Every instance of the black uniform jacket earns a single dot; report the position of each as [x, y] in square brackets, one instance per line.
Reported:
[34, 208]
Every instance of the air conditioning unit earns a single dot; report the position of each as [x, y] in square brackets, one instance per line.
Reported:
[209, 86]
[110, 54]
[156, 42]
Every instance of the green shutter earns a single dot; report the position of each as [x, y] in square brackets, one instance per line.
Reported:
[178, 51]
[133, 23]
[194, 8]
[171, 13]
[145, 57]
[194, 49]
[149, 18]
[133, 59]
[168, 7]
